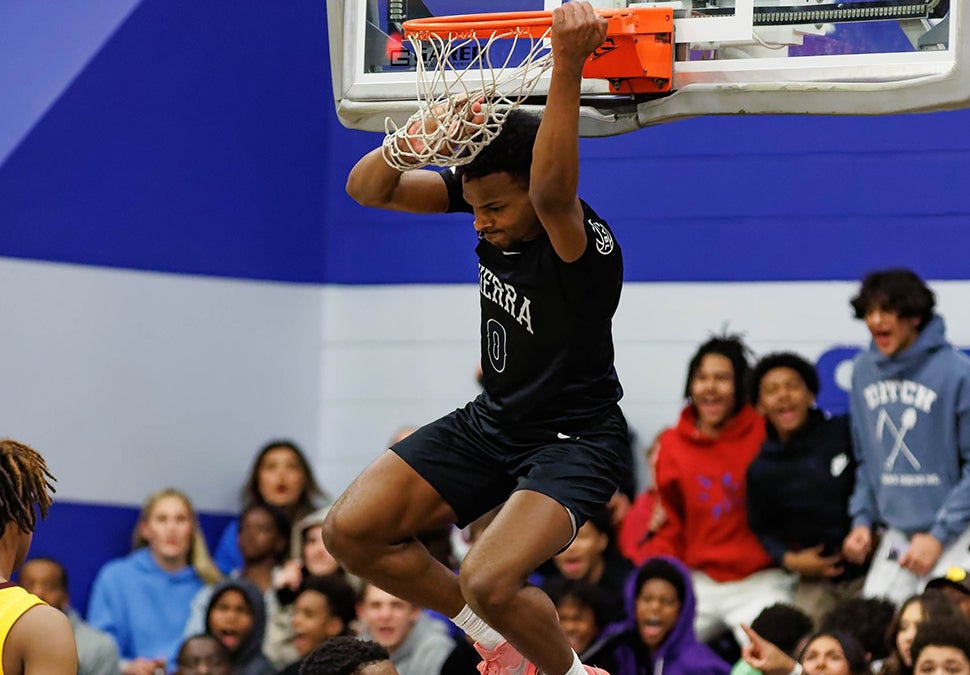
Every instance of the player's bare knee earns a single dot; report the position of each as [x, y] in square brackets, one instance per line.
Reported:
[486, 589]
[330, 534]
[349, 550]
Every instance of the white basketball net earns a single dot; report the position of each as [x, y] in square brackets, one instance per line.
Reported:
[447, 130]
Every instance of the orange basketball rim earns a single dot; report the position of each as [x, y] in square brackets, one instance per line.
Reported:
[637, 56]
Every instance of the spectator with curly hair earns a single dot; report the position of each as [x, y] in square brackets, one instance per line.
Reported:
[800, 483]
[942, 648]
[347, 655]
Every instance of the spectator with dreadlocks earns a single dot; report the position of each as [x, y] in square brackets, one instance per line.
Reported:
[701, 476]
[34, 637]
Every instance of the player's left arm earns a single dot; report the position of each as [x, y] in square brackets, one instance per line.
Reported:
[44, 642]
[576, 31]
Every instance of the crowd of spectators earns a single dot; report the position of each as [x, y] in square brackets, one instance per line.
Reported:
[771, 537]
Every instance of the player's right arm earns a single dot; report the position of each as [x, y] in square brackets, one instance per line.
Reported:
[373, 183]
[41, 640]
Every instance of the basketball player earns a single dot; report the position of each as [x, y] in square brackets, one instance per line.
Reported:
[546, 436]
[34, 637]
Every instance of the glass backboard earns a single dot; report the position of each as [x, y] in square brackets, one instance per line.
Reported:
[731, 57]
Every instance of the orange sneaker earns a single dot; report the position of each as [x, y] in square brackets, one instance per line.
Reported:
[503, 660]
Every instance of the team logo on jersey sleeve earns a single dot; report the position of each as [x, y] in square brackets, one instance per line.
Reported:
[604, 240]
[838, 464]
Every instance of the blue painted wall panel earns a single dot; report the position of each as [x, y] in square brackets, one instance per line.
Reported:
[202, 139]
[194, 142]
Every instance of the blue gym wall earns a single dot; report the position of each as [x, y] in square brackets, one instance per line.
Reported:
[182, 276]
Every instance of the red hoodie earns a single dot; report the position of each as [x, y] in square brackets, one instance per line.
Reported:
[635, 536]
[702, 485]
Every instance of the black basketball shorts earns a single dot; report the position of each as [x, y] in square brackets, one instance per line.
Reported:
[475, 465]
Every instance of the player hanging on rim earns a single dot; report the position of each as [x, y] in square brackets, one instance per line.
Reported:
[34, 637]
[546, 438]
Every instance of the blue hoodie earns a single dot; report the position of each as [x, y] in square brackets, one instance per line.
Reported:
[622, 651]
[142, 606]
[911, 429]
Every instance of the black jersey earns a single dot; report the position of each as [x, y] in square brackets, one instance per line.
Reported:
[547, 342]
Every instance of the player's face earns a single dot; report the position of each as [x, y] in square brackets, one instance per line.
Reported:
[890, 332]
[712, 391]
[784, 399]
[168, 530]
[657, 607]
[939, 660]
[824, 656]
[44, 579]
[584, 556]
[231, 619]
[504, 215]
[388, 618]
[280, 478]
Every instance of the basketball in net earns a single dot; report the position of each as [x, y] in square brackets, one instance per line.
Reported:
[472, 70]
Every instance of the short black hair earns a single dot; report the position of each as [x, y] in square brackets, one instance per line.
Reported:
[866, 618]
[952, 632]
[281, 523]
[220, 648]
[602, 519]
[659, 568]
[342, 655]
[339, 594]
[583, 592]
[732, 348]
[509, 152]
[791, 360]
[896, 290]
[782, 625]
[61, 570]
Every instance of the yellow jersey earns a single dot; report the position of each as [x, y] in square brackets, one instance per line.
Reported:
[14, 601]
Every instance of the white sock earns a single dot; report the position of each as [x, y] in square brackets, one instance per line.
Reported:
[577, 667]
[476, 628]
